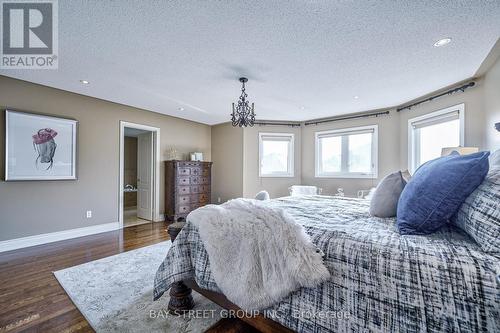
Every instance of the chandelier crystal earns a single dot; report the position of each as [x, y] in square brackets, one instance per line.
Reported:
[243, 114]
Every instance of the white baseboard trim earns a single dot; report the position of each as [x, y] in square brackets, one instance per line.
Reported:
[18, 243]
[159, 218]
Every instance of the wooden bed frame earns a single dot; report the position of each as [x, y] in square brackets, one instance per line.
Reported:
[183, 301]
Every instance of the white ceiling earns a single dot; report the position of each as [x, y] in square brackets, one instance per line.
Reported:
[305, 59]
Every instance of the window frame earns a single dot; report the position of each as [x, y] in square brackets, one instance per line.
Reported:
[345, 174]
[291, 154]
[412, 135]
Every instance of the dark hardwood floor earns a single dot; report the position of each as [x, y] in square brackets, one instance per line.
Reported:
[31, 299]
[231, 325]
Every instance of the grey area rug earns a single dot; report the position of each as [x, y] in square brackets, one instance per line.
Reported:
[115, 294]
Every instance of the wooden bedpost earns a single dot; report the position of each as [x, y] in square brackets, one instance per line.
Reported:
[180, 294]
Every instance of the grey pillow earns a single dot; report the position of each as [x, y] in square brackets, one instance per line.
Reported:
[495, 158]
[406, 176]
[384, 202]
[479, 215]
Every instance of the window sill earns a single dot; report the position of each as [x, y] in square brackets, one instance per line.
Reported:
[349, 176]
[277, 176]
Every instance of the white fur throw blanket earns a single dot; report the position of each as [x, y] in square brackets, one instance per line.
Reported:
[258, 254]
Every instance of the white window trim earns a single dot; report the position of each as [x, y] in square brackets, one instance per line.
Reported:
[291, 155]
[371, 175]
[411, 133]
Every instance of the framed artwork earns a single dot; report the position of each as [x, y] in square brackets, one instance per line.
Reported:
[196, 156]
[39, 147]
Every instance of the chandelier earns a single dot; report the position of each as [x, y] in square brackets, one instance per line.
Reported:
[243, 114]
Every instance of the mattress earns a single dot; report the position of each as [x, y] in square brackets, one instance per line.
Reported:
[380, 281]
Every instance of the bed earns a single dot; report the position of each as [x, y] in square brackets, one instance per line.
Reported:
[380, 281]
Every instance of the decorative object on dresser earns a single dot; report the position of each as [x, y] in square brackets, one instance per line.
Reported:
[187, 187]
[196, 156]
[172, 153]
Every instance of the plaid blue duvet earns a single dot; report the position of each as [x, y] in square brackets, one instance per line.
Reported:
[381, 281]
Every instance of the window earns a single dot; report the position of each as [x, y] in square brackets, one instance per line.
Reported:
[276, 154]
[347, 153]
[428, 134]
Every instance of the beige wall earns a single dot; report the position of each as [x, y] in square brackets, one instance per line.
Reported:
[235, 153]
[276, 186]
[227, 156]
[388, 153]
[492, 106]
[29, 208]
[393, 138]
[37, 207]
[392, 141]
[474, 118]
[392, 144]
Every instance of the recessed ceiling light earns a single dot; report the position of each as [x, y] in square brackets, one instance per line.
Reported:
[442, 42]
[180, 109]
[356, 97]
[84, 82]
[302, 107]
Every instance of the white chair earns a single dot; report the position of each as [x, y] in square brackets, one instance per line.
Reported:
[304, 190]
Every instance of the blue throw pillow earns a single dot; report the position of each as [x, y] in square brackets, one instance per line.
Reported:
[436, 191]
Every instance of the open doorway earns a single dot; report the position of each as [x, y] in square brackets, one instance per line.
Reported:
[139, 181]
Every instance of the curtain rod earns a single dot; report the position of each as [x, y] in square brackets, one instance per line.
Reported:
[367, 115]
[449, 92]
[265, 123]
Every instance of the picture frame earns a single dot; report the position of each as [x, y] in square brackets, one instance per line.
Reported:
[196, 156]
[39, 147]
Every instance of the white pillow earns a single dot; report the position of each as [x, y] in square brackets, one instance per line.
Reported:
[262, 195]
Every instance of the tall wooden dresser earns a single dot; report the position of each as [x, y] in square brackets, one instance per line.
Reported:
[187, 187]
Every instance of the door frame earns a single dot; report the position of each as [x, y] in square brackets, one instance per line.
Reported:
[155, 166]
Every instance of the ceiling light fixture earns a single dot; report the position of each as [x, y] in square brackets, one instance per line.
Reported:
[181, 109]
[442, 42]
[243, 114]
[84, 82]
[356, 97]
